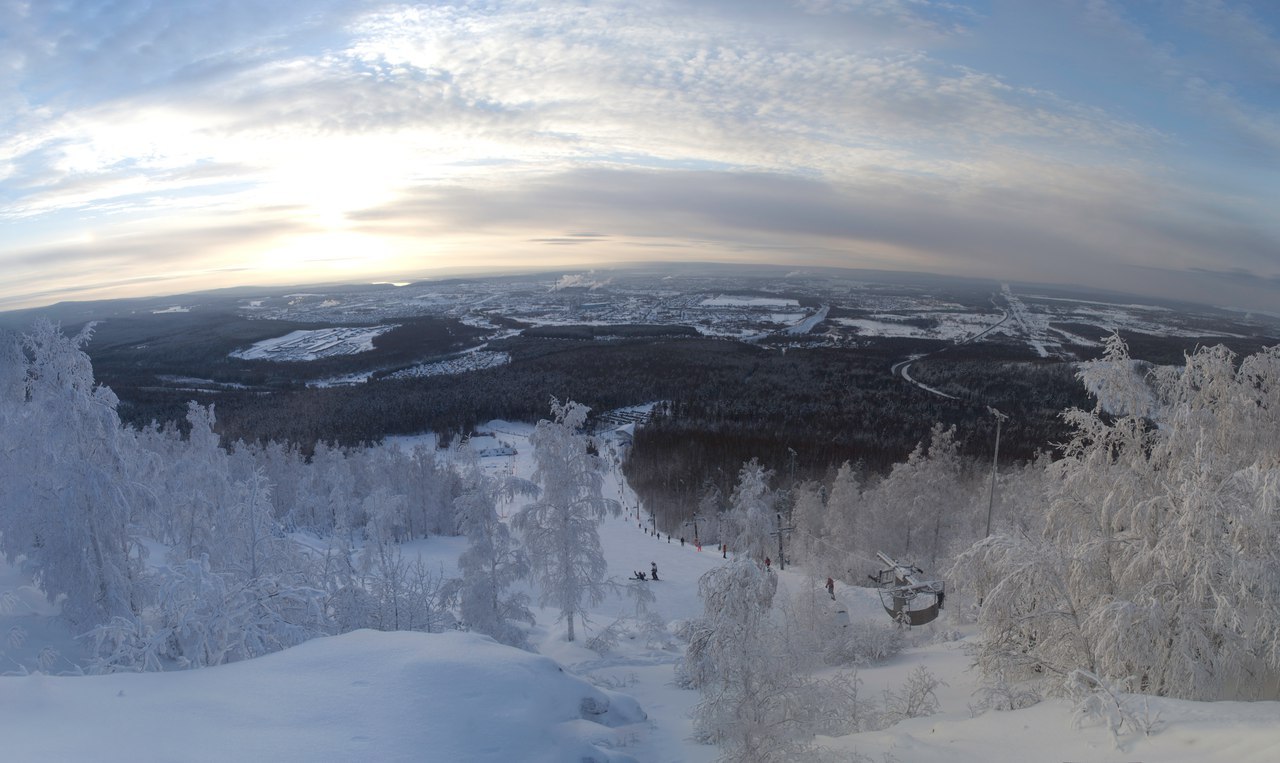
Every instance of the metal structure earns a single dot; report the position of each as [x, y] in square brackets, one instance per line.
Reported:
[780, 534]
[908, 599]
[991, 502]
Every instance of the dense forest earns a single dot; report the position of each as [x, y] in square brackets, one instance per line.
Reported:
[801, 407]
[802, 411]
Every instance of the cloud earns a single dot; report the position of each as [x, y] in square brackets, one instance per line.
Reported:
[1058, 223]
[180, 256]
[901, 132]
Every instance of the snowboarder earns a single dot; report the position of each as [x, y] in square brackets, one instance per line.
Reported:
[831, 588]
[653, 575]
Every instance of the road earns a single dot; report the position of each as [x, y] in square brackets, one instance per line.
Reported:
[903, 367]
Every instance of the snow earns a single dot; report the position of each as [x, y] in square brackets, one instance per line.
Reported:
[729, 300]
[806, 325]
[364, 695]
[950, 326]
[174, 309]
[314, 344]
[457, 696]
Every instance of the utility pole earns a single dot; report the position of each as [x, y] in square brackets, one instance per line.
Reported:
[694, 522]
[991, 501]
[781, 532]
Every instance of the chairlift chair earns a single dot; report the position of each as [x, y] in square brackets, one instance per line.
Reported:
[908, 600]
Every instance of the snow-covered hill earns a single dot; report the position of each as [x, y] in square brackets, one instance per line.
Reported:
[365, 695]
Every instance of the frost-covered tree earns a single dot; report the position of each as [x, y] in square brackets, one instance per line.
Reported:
[809, 517]
[560, 529]
[83, 496]
[759, 701]
[751, 515]
[493, 561]
[852, 537]
[1159, 558]
[912, 512]
[71, 485]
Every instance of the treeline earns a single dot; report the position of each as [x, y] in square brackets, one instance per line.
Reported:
[805, 413]
[173, 551]
[801, 411]
[132, 352]
[601, 375]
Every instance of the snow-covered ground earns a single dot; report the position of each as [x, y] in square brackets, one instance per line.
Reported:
[314, 344]
[456, 696]
[365, 695]
[948, 326]
[729, 300]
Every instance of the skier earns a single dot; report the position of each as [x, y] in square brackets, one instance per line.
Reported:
[831, 588]
[653, 575]
[640, 575]
[766, 563]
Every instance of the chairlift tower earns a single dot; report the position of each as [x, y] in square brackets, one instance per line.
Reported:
[781, 533]
[991, 500]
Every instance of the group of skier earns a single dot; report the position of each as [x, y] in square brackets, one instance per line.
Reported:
[653, 572]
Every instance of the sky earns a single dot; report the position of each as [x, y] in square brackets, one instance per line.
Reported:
[151, 147]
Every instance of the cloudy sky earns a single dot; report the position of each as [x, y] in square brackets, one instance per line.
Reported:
[153, 147]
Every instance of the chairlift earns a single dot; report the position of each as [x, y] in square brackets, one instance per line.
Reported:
[908, 599]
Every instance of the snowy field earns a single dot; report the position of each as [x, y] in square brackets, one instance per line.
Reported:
[949, 326]
[729, 300]
[460, 697]
[314, 344]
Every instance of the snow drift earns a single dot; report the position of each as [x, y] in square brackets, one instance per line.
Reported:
[365, 695]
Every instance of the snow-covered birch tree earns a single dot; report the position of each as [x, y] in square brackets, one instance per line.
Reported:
[71, 486]
[759, 701]
[750, 519]
[560, 529]
[493, 560]
[1159, 560]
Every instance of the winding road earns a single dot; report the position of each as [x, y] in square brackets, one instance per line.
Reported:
[903, 367]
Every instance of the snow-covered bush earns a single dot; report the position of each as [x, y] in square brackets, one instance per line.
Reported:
[918, 697]
[1112, 703]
